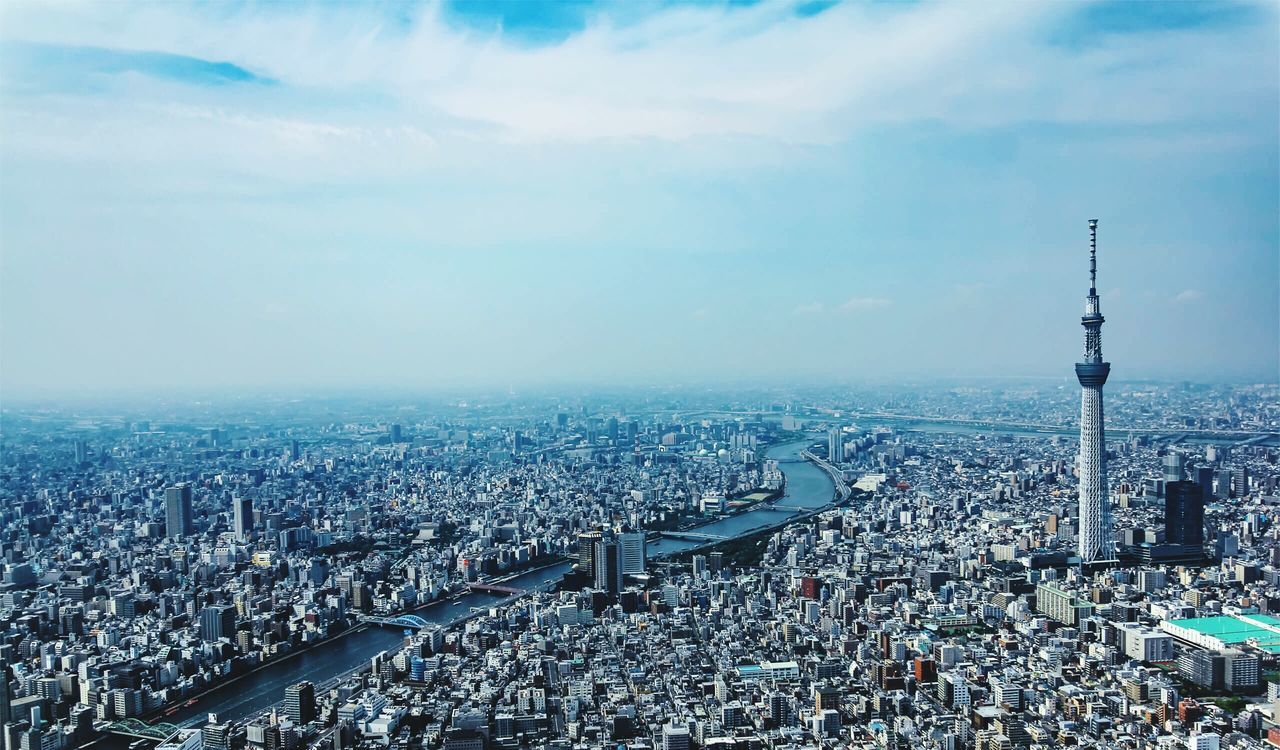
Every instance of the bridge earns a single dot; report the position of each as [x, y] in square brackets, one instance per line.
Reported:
[494, 588]
[842, 488]
[138, 728]
[402, 621]
[694, 536]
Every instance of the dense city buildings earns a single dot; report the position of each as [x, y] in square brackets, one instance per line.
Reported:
[512, 574]
[650, 569]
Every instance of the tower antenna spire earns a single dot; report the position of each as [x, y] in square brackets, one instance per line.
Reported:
[1093, 256]
[1095, 543]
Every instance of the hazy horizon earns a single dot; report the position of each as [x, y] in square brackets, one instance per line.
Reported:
[270, 198]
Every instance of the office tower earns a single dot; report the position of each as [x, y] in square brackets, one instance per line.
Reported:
[242, 517]
[396, 433]
[1240, 481]
[1095, 514]
[217, 622]
[608, 564]
[1184, 513]
[1173, 464]
[587, 552]
[835, 445]
[1204, 478]
[177, 510]
[300, 703]
[633, 552]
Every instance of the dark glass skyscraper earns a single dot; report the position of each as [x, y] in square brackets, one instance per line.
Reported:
[1184, 513]
[177, 510]
[608, 561]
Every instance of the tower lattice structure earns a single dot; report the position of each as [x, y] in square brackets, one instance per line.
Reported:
[1095, 542]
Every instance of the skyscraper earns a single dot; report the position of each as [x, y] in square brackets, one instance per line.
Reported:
[608, 565]
[835, 445]
[587, 552]
[1095, 514]
[177, 510]
[633, 552]
[242, 517]
[1184, 513]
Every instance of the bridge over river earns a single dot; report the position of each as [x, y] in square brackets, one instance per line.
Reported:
[809, 490]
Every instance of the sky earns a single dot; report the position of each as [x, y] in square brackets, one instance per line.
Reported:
[298, 196]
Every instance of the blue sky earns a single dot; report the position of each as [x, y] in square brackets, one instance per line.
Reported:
[279, 196]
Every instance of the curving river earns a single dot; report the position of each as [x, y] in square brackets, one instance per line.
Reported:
[806, 487]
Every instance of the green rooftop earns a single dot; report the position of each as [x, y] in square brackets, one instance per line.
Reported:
[1262, 630]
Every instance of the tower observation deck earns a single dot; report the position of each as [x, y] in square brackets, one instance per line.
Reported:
[1095, 539]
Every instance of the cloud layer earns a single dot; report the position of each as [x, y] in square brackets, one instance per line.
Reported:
[211, 177]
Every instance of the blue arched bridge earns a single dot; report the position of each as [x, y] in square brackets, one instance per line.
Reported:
[401, 621]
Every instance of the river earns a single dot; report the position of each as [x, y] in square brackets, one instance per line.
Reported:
[806, 487]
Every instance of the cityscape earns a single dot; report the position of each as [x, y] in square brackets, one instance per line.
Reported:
[340, 473]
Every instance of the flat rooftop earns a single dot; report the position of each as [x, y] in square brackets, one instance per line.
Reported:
[1262, 630]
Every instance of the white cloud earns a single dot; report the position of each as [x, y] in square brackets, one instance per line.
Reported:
[1188, 296]
[857, 304]
[695, 72]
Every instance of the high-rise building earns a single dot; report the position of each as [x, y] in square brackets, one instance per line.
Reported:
[1173, 465]
[242, 517]
[1095, 514]
[1184, 513]
[675, 737]
[780, 709]
[217, 622]
[1240, 481]
[300, 703]
[177, 510]
[587, 552]
[632, 544]
[835, 445]
[608, 564]
[1204, 478]
[6, 705]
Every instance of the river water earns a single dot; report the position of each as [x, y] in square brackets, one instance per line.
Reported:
[807, 487]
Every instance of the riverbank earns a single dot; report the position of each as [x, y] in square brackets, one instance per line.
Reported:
[257, 689]
[333, 641]
[771, 499]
